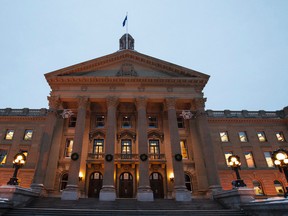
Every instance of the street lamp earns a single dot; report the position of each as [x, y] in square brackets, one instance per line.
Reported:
[280, 159]
[18, 162]
[234, 162]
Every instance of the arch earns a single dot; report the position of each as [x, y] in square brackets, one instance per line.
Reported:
[156, 184]
[98, 134]
[258, 188]
[279, 187]
[63, 181]
[155, 134]
[95, 184]
[126, 134]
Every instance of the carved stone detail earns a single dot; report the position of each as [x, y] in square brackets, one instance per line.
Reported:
[127, 69]
[83, 101]
[170, 103]
[199, 103]
[54, 102]
[141, 102]
[112, 101]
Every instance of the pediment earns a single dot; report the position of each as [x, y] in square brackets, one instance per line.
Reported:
[126, 63]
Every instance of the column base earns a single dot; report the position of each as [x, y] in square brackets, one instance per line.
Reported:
[145, 194]
[71, 192]
[107, 193]
[182, 194]
[38, 188]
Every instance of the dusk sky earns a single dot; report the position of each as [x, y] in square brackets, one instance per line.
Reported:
[241, 44]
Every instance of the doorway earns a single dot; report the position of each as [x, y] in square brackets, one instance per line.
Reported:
[126, 185]
[95, 184]
[156, 184]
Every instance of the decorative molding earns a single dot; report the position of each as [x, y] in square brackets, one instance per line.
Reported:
[199, 103]
[156, 135]
[112, 101]
[54, 102]
[126, 135]
[83, 101]
[141, 102]
[127, 69]
[98, 134]
[170, 103]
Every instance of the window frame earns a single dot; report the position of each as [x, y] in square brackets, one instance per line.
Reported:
[261, 134]
[67, 154]
[249, 160]
[281, 135]
[184, 149]
[180, 123]
[100, 123]
[151, 123]
[7, 134]
[225, 133]
[126, 119]
[243, 135]
[27, 137]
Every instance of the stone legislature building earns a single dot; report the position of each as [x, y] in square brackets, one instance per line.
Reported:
[128, 125]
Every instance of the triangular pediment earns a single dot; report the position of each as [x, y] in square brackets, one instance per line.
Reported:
[126, 63]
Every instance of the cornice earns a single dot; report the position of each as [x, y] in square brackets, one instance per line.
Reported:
[23, 118]
[245, 120]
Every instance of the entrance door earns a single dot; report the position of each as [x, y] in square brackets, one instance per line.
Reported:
[126, 185]
[95, 184]
[156, 184]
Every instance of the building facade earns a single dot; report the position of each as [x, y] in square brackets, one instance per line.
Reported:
[128, 125]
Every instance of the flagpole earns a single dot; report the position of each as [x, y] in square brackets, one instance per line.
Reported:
[127, 31]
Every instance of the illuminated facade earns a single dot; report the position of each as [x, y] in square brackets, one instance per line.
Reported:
[128, 125]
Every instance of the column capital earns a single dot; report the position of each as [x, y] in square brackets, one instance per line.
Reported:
[112, 101]
[83, 101]
[199, 103]
[170, 102]
[54, 102]
[141, 102]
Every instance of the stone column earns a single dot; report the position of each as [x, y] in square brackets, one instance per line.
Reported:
[72, 191]
[108, 192]
[39, 175]
[144, 192]
[206, 145]
[181, 192]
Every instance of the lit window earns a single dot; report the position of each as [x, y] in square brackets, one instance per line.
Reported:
[72, 121]
[154, 149]
[258, 188]
[249, 159]
[3, 156]
[98, 146]
[261, 136]
[126, 149]
[227, 155]
[100, 121]
[279, 187]
[68, 148]
[243, 136]
[280, 136]
[63, 181]
[180, 122]
[268, 159]
[152, 122]
[224, 136]
[184, 151]
[9, 135]
[28, 134]
[126, 122]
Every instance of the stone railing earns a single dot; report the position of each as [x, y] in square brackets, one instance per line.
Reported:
[23, 112]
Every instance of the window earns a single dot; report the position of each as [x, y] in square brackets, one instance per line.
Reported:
[100, 121]
[184, 150]
[3, 156]
[63, 181]
[261, 136]
[68, 148]
[188, 182]
[227, 155]
[126, 149]
[154, 149]
[224, 136]
[72, 121]
[243, 136]
[180, 122]
[152, 122]
[126, 122]
[258, 188]
[28, 134]
[279, 187]
[98, 146]
[268, 159]
[249, 159]
[9, 134]
[280, 136]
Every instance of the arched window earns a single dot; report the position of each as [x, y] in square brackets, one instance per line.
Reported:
[279, 187]
[258, 188]
[188, 182]
[63, 181]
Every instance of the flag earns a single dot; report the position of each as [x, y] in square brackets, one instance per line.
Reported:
[124, 22]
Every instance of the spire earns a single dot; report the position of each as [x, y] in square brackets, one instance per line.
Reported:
[123, 40]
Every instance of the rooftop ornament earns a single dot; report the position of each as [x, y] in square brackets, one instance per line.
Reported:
[186, 114]
[67, 113]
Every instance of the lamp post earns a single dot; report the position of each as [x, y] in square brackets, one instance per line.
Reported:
[280, 159]
[18, 162]
[234, 162]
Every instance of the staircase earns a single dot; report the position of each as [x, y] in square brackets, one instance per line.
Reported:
[121, 207]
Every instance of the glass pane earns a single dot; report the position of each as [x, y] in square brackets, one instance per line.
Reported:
[258, 188]
[243, 136]
[268, 159]
[280, 136]
[224, 136]
[249, 159]
[28, 134]
[69, 147]
[9, 134]
[227, 155]
[261, 136]
[183, 149]
[278, 187]
[100, 121]
[3, 156]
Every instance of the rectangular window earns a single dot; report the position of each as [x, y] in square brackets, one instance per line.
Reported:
[28, 134]
[154, 149]
[261, 136]
[249, 159]
[269, 159]
[72, 121]
[180, 122]
[3, 156]
[227, 155]
[126, 122]
[98, 146]
[280, 136]
[100, 121]
[152, 122]
[68, 148]
[9, 134]
[126, 149]
[243, 136]
[184, 150]
[224, 136]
